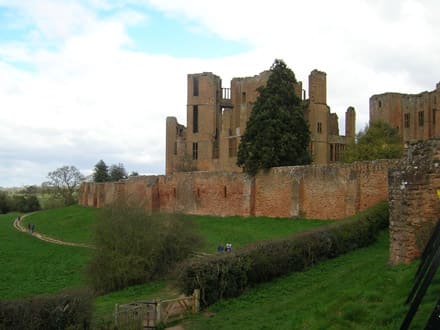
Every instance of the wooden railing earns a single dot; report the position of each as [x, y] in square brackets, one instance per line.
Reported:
[149, 314]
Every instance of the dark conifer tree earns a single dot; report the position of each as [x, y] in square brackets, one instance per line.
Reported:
[277, 133]
[100, 173]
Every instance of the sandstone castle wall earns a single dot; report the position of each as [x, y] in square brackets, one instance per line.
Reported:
[316, 191]
[414, 204]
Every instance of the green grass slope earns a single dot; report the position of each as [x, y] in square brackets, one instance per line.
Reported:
[240, 231]
[354, 291]
[72, 224]
[29, 266]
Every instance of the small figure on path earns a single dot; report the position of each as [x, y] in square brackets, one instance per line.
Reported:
[228, 247]
[220, 248]
[29, 227]
[32, 228]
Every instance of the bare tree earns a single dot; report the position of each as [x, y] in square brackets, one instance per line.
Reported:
[65, 181]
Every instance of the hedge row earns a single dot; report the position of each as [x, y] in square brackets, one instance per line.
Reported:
[68, 310]
[229, 274]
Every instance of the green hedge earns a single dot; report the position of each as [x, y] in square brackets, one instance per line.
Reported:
[229, 274]
[67, 310]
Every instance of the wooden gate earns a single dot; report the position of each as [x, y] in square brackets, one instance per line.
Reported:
[136, 315]
[149, 314]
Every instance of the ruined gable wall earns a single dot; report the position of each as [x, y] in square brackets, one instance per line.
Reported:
[316, 191]
[414, 205]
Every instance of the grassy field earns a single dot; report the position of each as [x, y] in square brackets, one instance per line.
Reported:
[75, 223]
[355, 291]
[29, 266]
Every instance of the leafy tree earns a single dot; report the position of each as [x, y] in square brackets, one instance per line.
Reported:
[25, 203]
[5, 203]
[277, 133]
[100, 173]
[117, 172]
[65, 181]
[134, 173]
[133, 247]
[377, 141]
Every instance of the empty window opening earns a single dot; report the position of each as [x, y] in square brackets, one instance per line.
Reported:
[195, 150]
[380, 104]
[195, 86]
[243, 98]
[175, 148]
[174, 192]
[421, 118]
[232, 147]
[198, 192]
[433, 116]
[406, 117]
[225, 192]
[319, 127]
[195, 118]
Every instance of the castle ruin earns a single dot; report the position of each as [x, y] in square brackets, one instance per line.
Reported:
[413, 115]
[217, 118]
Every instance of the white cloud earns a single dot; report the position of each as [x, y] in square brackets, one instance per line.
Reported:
[78, 91]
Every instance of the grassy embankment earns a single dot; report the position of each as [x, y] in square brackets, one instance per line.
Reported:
[75, 224]
[355, 291]
[358, 290]
[29, 266]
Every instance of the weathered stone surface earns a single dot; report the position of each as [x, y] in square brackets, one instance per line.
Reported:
[414, 205]
[316, 191]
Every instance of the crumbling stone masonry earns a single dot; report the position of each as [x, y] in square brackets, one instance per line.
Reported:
[414, 205]
[217, 118]
[316, 191]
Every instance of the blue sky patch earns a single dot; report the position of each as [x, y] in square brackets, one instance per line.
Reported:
[163, 35]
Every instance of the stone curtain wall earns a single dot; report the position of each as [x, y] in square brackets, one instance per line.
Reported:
[316, 191]
[414, 205]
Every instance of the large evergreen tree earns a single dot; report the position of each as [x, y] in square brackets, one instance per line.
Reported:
[117, 172]
[277, 133]
[100, 173]
[377, 141]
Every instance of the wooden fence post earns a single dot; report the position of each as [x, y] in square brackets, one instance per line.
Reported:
[158, 313]
[116, 314]
[196, 304]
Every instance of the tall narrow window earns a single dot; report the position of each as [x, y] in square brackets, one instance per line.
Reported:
[421, 118]
[406, 119]
[319, 127]
[195, 86]
[243, 98]
[232, 147]
[195, 118]
[433, 116]
[195, 150]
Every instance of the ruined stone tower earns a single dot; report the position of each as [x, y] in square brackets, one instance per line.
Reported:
[217, 118]
[413, 115]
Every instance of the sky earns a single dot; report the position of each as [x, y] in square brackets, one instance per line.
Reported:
[84, 80]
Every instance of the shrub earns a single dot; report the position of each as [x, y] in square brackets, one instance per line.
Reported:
[25, 203]
[5, 204]
[228, 275]
[67, 310]
[133, 247]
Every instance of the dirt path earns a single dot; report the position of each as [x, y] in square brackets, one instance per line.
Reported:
[18, 225]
